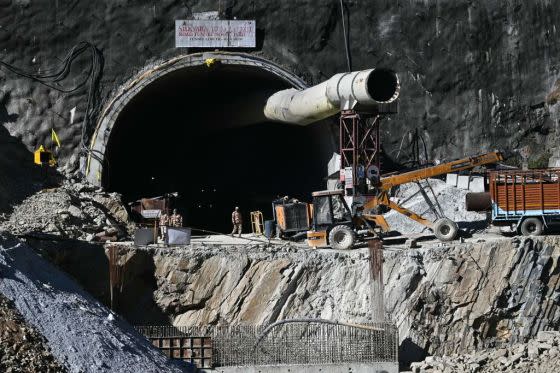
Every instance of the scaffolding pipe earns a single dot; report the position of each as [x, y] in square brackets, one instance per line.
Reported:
[347, 91]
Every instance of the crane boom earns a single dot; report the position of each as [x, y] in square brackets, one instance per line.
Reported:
[441, 169]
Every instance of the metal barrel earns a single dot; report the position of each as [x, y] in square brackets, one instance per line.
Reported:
[478, 202]
[268, 228]
[360, 90]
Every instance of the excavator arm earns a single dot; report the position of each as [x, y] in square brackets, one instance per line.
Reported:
[382, 198]
[441, 169]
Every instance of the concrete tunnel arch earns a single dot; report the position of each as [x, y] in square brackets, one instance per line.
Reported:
[190, 71]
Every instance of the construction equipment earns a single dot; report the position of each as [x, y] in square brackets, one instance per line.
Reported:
[339, 226]
[366, 91]
[340, 217]
[44, 157]
[291, 217]
[528, 201]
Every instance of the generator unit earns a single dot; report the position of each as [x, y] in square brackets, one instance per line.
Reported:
[292, 218]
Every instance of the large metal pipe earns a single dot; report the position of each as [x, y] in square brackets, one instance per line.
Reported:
[361, 89]
[478, 202]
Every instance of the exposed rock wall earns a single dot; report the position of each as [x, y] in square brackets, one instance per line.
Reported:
[458, 298]
[476, 75]
[443, 299]
[199, 286]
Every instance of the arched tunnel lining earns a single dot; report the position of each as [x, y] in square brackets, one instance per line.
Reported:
[200, 131]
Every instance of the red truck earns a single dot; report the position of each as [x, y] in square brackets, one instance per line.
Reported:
[528, 201]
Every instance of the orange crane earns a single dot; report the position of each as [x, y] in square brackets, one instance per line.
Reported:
[335, 225]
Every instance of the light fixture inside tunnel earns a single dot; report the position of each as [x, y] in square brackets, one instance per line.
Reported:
[201, 132]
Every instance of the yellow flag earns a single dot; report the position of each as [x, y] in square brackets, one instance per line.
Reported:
[55, 138]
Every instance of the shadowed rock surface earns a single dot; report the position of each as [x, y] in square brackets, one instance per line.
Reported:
[476, 75]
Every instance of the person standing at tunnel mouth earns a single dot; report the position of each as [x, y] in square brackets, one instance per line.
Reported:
[237, 221]
[163, 223]
[176, 219]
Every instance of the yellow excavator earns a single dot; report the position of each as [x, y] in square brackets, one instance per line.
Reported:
[334, 223]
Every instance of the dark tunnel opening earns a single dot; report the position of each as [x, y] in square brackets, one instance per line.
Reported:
[200, 132]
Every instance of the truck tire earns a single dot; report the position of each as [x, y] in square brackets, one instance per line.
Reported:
[445, 229]
[531, 226]
[342, 237]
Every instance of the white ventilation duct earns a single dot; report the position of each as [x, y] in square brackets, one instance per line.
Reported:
[346, 91]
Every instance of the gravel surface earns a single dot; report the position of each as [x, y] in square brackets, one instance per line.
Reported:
[22, 348]
[83, 335]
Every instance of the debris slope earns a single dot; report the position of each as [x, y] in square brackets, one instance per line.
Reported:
[83, 335]
[22, 348]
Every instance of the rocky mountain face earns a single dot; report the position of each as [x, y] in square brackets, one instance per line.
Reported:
[476, 75]
[444, 299]
[242, 284]
[454, 299]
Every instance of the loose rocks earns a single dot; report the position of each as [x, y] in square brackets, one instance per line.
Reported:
[540, 354]
[74, 210]
[22, 349]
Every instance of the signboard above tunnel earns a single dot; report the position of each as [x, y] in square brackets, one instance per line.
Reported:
[215, 34]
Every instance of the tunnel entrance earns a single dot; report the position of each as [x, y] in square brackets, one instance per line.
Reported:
[200, 131]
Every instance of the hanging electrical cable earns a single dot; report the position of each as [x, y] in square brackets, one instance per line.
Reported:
[346, 37]
[53, 78]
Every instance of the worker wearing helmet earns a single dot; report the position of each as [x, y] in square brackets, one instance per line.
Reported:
[237, 222]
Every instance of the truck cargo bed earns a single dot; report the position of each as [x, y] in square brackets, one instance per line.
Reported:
[518, 193]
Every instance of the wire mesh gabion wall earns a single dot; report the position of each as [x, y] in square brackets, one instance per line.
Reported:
[292, 343]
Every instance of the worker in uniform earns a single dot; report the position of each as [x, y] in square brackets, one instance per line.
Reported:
[237, 222]
[163, 223]
[176, 219]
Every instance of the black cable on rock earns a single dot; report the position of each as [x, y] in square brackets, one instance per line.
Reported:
[53, 78]
[346, 37]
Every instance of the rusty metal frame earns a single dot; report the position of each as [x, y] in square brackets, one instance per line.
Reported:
[359, 144]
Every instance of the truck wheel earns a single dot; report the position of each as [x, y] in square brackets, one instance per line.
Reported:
[531, 226]
[445, 229]
[342, 237]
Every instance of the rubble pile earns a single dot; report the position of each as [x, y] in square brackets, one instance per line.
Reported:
[450, 198]
[539, 355]
[74, 210]
[22, 349]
